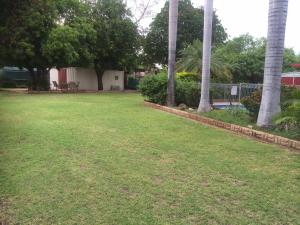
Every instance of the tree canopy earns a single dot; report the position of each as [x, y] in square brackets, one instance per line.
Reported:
[190, 28]
[244, 57]
[238, 60]
[39, 35]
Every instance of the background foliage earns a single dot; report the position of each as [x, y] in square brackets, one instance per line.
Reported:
[240, 60]
[190, 28]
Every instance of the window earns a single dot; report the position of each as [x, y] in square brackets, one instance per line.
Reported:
[116, 78]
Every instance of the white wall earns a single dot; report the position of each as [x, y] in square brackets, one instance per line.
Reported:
[113, 78]
[87, 78]
[71, 74]
[53, 77]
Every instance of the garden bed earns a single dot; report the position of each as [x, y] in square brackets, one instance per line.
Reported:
[241, 117]
[260, 135]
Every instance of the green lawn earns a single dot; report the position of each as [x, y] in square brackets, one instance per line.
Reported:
[107, 159]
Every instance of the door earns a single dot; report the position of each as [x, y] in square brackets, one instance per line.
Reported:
[62, 76]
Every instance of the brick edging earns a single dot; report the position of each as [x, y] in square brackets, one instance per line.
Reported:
[263, 136]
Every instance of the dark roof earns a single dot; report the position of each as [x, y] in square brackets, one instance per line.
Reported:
[14, 73]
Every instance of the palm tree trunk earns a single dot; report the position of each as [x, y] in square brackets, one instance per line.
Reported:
[204, 105]
[173, 18]
[270, 103]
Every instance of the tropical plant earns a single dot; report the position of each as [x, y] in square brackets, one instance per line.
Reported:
[191, 61]
[289, 118]
[239, 60]
[270, 104]
[289, 93]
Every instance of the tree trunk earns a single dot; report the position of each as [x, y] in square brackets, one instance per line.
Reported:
[33, 85]
[40, 79]
[270, 103]
[100, 73]
[173, 18]
[205, 105]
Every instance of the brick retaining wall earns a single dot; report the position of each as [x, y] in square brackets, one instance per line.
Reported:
[270, 138]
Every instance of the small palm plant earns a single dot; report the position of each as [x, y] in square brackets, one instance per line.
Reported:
[289, 118]
[190, 61]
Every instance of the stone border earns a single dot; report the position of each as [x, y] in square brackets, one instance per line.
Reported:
[259, 135]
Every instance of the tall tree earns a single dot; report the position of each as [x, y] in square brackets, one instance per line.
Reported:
[23, 31]
[45, 34]
[173, 19]
[270, 104]
[204, 105]
[190, 28]
[116, 41]
[244, 56]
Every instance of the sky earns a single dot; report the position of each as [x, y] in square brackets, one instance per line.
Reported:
[248, 16]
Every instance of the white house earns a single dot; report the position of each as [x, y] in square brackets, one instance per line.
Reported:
[87, 78]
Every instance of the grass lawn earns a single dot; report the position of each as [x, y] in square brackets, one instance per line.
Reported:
[107, 159]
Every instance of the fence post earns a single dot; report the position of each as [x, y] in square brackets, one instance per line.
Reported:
[240, 92]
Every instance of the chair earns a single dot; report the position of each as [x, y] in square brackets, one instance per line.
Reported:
[77, 85]
[64, 87]
[55, 84]
[72, 86]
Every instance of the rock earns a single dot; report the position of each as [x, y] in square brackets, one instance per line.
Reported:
[182, 106]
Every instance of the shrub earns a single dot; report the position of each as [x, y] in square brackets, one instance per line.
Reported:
[289, 120]
[286, 123]
[154, 88]
[252, 103]
[187, 76]
[187, 92]
[287, 94]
